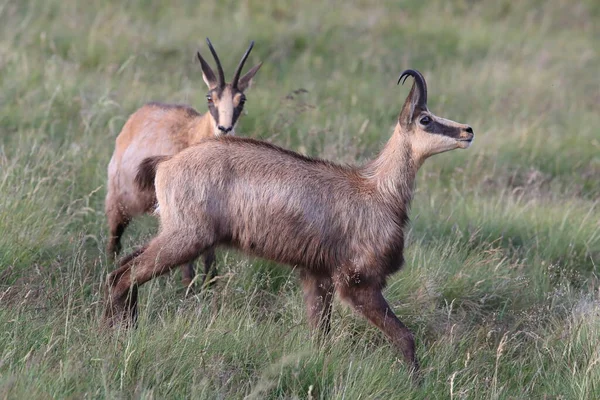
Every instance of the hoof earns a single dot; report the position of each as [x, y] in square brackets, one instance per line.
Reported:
[121, 311]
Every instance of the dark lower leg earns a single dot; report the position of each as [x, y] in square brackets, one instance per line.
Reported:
[121, 310]
[117, 223]
[371, 304]
[189, 273]
[121, 305]
[318, 296]
[210, 271]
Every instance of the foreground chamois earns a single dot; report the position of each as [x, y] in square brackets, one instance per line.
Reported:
[341, 226]
[163, 130]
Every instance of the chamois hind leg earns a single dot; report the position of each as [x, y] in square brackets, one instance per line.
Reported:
[318, 296]
[189, 272]
[132, 255]
[117, 222]
[166, 251]
[369, 302]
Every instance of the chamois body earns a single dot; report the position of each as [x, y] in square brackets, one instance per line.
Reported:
[340, 226]
[159, 129]
[343, 226]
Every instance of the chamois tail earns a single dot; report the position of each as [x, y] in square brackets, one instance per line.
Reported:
[144, 179]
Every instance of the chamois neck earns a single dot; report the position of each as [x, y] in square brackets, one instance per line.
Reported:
[394, 170]
[201, 127]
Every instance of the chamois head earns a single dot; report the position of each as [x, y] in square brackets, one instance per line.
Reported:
[429, 134]
[226, 100]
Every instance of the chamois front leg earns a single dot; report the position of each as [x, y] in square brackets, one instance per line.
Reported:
[189, 271]
[368, 301]
[318, 296]
[210, 270]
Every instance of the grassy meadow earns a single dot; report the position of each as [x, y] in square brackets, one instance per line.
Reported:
[501, 283]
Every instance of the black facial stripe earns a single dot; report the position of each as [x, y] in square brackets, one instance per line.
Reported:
[214, 94]
[213, 111]
[438, 128]
[237, 111]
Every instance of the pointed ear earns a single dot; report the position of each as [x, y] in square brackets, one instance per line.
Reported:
[207, 73]
[417, 98]
[408, 109]
[246, 80]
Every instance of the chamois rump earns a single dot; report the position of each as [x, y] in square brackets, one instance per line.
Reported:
[164, 130]
[341, 226]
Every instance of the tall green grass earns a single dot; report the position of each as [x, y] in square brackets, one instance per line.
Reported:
[500, 284]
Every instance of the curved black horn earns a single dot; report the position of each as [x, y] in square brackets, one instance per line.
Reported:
[419, 80]
[238, 71]
[219, 67]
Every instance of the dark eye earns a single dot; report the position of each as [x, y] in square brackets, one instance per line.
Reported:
[242, 100]
[209, 98]
[425, 120]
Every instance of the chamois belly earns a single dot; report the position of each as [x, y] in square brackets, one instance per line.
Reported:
[286, 229]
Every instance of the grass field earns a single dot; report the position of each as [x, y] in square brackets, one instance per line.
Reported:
[501, 283]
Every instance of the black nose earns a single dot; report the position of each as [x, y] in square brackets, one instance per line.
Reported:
[469, 130]
[225, 130]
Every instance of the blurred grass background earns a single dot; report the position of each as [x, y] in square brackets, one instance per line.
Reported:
[500, 285]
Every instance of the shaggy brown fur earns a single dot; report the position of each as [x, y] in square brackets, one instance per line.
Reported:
[164, 130]
[341, 226]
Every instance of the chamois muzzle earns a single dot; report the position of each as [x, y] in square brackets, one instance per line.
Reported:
[467, 134]
[225, 130]
[466, 137]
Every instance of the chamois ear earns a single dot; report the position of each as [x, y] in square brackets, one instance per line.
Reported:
[408, 109]
[246, 80]
[417, 98]
[207, 73]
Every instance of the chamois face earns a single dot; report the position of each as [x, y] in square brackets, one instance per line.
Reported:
[225, 106]
[428, 133]
[226, 100]
[432, 135]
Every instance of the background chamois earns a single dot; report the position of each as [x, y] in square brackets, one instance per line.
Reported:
[159, 129]
[341, 226]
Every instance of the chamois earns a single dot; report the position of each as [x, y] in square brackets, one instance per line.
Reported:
[341, 226]
[163, 130]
